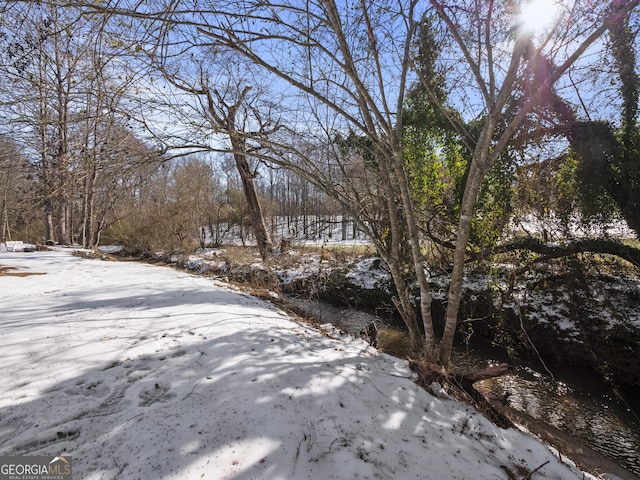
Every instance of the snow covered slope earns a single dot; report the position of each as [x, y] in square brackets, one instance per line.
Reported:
[146, 372]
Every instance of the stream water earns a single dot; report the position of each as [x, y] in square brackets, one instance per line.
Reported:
[574, 401]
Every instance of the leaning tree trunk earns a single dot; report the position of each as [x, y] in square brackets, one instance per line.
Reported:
[472, 187]
[392, 255]
[404, 306]
[392, 258]
[416, 254]
[253, 202]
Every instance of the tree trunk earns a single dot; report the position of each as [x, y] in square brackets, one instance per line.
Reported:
[63, 223]
[5, 231]
[48, 224]
[471, 190]
[392, 255]
[416, 253]
[403, 303]
[253, 202]
[88, 207]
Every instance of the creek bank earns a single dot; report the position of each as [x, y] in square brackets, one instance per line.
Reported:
[584, 456]
[574, 402]
[550, 314]
[544, 315]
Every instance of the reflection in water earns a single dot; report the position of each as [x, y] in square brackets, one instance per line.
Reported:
[394, 342]
[598, 420]
[590, 415]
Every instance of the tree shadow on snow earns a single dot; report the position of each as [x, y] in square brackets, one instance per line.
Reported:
[252, 403]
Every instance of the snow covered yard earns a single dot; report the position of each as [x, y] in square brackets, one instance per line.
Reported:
[146, 372]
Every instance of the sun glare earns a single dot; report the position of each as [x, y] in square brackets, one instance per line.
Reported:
[538, 15]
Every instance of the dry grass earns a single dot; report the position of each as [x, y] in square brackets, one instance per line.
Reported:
[336, 251]
[241, 255]
[7, 272]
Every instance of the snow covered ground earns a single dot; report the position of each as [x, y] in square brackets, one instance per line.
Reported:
[146, 372]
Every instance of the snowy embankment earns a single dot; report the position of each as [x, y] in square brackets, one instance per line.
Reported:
[140, 371]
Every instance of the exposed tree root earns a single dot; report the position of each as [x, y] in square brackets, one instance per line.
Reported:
[461, 387]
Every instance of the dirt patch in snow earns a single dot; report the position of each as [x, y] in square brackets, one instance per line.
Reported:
[9, 272]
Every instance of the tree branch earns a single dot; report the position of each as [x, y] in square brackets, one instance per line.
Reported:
[567, 248]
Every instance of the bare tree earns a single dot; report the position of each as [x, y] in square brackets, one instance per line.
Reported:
[196, 195]
[16, 194]
[225, 107]
[42, 62]
[66, 102]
